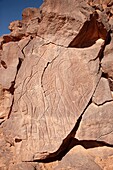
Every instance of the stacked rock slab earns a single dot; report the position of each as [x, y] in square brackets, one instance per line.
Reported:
[56, 88]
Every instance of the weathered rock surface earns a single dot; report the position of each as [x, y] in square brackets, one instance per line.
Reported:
[56, 88]
[78, 159]
[56, 91]
[96, 123]
[102, 93]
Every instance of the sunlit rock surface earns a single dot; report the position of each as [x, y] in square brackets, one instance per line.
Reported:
[56, 83]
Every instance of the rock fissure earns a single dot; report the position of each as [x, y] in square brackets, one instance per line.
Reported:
[87, 144]
[12, 88]
[47, 65]
[49, 157]
[11, 108]
[64, 148]
[2, 121]
[3, 64]
[50, 42]
[91, 31]
[56, 103]
[25, 47]
[107, 101]
[45, 156]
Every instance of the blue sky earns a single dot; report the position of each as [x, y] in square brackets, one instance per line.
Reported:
[11, 10]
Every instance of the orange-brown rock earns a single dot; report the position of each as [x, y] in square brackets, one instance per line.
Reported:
[78, 159]
[107, 60]
[59, 95]
[31, 13]
[56, 88]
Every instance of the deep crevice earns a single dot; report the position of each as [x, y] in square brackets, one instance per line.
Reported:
[18, 66]
[11, 108]
[26, 46]
[110, 80]
[63, 149]
[4, 65]
[105, 75]
[17, 140]
[12, 88]
[48, 63]
[69, 142]
[1, 121]
[108, 38]
[87, 144]
[43, 73]
[91, 31]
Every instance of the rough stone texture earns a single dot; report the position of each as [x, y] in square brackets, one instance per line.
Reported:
[56, 88]
[100, 114]
[78, 159]
[58, 85]
[30, 13]
[102, 93]
[97, 123]
[9, 63]
[6, 99]
[107, 62]
[19, 166]
[102, 156]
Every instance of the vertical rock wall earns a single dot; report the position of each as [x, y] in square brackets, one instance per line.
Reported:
[56, 86]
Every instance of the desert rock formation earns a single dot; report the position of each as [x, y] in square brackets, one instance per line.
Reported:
[56, 88]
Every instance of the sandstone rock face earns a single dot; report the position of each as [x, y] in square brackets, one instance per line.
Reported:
[56, 88]
[62, 93]
[78, 159]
